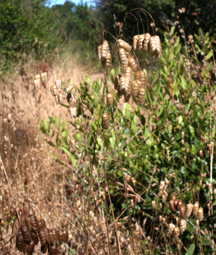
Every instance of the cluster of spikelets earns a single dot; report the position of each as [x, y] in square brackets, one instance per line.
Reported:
[125, 84]
[32, 231]
[39, 79]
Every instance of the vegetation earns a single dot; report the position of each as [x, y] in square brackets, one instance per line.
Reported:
[118, 183]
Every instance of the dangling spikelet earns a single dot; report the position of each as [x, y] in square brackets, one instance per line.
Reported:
[128, 73]
[140, 42]
[60, 98]
[135, 88]
[123, 57]
[182, 211]
[176, 220]
[30, 248]
[110, 99]
[117, 81]
[37, 84]
[176, 232]
[109, 60]
[188, 210]
[73, 111]
[127, 91]
[179, 205]
[172, 205]
[195, 208]
[37, 76]
[69, 88]
[170, 229]
[56, 99]
[99, 52]
[58, 84]
[140, 75]
[200, 214]
[141, 96]
[155, 47]
[72, 143]
[104, 49]
[132, 63]
[105, 120]
[72, 101]
[183, 224]
[19, 242]
[124, 45]
[44, 77]
[53, 90]
[135, 41]
[146, 42]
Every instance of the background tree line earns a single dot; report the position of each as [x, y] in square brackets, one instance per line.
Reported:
[31, 26]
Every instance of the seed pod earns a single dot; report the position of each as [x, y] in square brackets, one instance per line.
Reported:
[53, 236]
[182, 211]
[132, 63]
[170, 229]
[176, 232]
[179, 204]
[53, 90]
[109, 60]
[52, 250]
[34, 223]
[155, 47]
[58, 84]
[69, 88]
[122, 57]
[146, 42]
[30, 248]
[195, 208]
[124, 45]
[28, 223]
[135, 86]
[188, 210]
[72, 143]
[47, 236]
[200, 214]
[42, 236]
[141, 96]
[99, 52]
[34, 237]
[73, 111]
[110, 99]
[37, 84]
[117, 81]
[183, 224]
[63, 236]
[142, 77]
[140, 42]
[19, 242]
[25, 232]
[135, 41]
[104, 49]
[105, 120]
[43, 77]
[60, 98]
[44, 248]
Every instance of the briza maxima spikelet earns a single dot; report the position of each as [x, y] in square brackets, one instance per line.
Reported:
[72, 101]
[128, 73]
[53, 90]
[53, 236]
[42, 236]
[176, 232]
[188, 210]
[200, 214]
[172, 205]
[117, 81]
[58, 84]
[109, 60]
[179, 204]
[141, 96]
[140, 42]
[104, 49]
[43, 77]
[60, 98]
[105, 120]
[47, 235]
[124, 45]
[44, 248]
[34, 237]
[170, 229]
[140, 75]
[56, 99]
[41, 224]
[123, 57]
[62, 236]
[182, 211]
[135, 86]
[72, 143]
[19, 242]
[146, 47]
[183, 224]
[34, 222]
[73, 111]
[28, 223]
[99, 52]
[135, 41]
[30, 248]
[37, 76]
[132, 62]
[69, 88]
[110, 99]
[155, 47]
[37, 84]
[52, 249]
[25, 232]
[195, 208]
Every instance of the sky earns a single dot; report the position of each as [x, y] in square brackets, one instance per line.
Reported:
[53, 2]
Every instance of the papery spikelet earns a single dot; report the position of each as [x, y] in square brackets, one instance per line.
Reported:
[195, 208]
[19, 242]
[146, 42]
[72, 143]
[105, 120]
[109, 60]
[37, 76]
[124, 45]
[135, 41]
[200, 214]
[182, 211]
[43, 77]
[73, 111]
[99, 52]
[155, 47]
[37, 84]
[183, 224]
[140, 75]
[117, 81]
[179, 204]
[172, 205]
[170, 229]
[110, 99]
[104, 49]
[135, 86]
[58, 84]
[25, 232]
[176, 232]
[141, 96]
[69, 88]
[140, 42]
[60, 98]
[30, 248]
[188, 210]
[133, 63]
[53, 90]
[123, 57]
